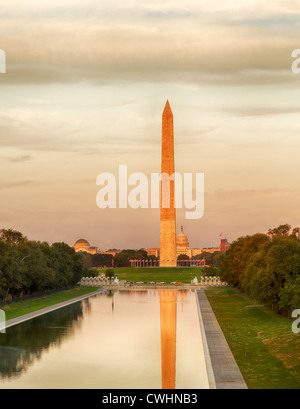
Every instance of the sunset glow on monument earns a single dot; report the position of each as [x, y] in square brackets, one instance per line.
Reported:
[167, 215]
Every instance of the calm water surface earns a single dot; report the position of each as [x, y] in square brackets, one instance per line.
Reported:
[126, 339]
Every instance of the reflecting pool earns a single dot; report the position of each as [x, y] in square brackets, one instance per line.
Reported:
[117, 339]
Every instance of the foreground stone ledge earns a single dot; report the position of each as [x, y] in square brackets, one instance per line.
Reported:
[226, 372]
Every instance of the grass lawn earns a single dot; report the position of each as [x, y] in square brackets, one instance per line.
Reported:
[262, 342]
[16, 309]
[158, 274]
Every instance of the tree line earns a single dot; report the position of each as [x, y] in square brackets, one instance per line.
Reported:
[212, 261]
[28, 267]
[267, 267]
[121, 259]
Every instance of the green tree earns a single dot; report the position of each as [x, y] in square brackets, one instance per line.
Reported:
[209, 271]
[122, 259]
[30, 266]
[217, 258]
[101, 260]
[12, 237]
[10, 270]
[208, 257]
[141, 254]
[282, 230]
[183, 257]
[273, 273]
[109, 273]
[183, 260]
[290, 296]
[86, 259]
[237, 257]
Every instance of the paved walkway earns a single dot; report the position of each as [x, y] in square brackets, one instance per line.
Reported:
[38, 313]
[223, 371]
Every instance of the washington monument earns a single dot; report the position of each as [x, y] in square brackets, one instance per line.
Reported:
[167, 215]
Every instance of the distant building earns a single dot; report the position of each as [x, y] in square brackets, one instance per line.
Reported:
[153, 252]
[182, 245]
[83, 245]
[196, 251]
[210, 250]
[224, 246]
[112, 252]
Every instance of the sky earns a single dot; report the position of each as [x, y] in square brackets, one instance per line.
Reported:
[84, 92]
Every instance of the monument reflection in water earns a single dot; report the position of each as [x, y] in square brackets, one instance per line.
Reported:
[128, 339]
[168, 338]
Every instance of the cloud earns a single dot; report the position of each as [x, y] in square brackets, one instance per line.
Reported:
[32, 101]
[17, 184]
[16, 159]
[146, 51]
[33, 130]
[262, 111]
[250, 193]
[221, 44]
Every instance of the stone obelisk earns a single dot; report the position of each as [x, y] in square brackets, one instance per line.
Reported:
[167, 214]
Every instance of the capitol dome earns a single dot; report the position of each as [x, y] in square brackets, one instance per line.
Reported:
[182, 241]
[82, 244]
